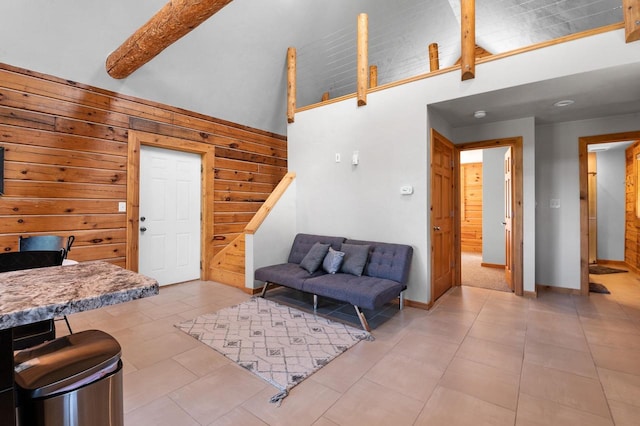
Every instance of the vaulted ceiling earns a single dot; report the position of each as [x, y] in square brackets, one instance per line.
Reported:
[232, 66]
[400, 32]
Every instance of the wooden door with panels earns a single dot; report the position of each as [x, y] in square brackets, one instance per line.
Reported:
[592, 170]
[203, 233]
[170, 204]
[442, 215]
[508, 217]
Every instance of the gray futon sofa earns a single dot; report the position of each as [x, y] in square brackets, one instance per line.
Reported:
[366, 274]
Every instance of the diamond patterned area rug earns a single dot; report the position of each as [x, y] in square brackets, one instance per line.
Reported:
[278, 343]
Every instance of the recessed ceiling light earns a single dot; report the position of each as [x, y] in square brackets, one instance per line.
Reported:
[480, 114]
[564, 103]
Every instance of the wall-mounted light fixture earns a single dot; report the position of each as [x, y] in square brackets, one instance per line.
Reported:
[355, 158]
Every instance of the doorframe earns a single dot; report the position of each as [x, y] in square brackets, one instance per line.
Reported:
[583, 142]
[517, 249]
[207, 153]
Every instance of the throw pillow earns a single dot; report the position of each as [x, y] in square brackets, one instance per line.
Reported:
[332, 261]
[312, 261]
[355, 257]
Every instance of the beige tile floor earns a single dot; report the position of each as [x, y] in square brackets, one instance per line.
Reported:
[479, 357]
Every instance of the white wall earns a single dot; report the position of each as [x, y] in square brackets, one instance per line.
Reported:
[558, 231]
[524, 127]
[493, 248]
[611, 197]
[271, 243]
[391, 133]
[471, 156]
[364, 201]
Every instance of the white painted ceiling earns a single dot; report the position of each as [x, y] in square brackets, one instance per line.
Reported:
[604, 93]
[401, 31]
[609, 146]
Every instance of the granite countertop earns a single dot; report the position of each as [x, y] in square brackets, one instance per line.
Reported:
[31, 295]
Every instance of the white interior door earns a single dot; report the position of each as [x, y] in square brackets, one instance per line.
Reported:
[170, 197]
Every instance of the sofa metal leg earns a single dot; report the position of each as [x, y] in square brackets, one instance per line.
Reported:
[264, 290]
[363, 320]
[401, 300]
[68, 325]
[315, 302]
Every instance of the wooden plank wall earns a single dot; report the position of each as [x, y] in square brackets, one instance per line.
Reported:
[471, 207]
[632, 240]
[66, 154]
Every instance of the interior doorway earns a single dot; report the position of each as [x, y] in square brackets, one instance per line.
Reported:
[587, 204]
[514, 214]
[485, 189]
[446, 253]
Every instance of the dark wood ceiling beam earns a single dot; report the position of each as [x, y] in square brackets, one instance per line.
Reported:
[174, 20]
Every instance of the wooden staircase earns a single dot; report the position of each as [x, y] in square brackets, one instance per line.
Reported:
[228, 266]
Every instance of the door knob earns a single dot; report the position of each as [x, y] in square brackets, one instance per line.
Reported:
[142, 219]
[143, 229]
[436, 228]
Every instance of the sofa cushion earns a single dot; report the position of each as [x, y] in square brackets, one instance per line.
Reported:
[332, 261]
[287, 274]
[302, 243]
[364, 292]
[312, 261]
[355, 257]
[387, 260]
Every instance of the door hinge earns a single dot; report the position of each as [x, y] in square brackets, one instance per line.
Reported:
[452, 164]
[451, 213]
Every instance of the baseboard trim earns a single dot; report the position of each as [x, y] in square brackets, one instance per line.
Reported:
[492, 265]
[612, 262]
[530, 294]
[631, 268]
[561, 290]
[418, 305]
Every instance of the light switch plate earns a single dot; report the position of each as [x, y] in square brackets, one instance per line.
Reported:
[554, 203]
[406, 190]
[122, 206]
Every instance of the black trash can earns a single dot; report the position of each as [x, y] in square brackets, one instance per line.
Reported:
[74, 380]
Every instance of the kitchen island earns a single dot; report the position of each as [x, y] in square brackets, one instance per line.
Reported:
[32, 295]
